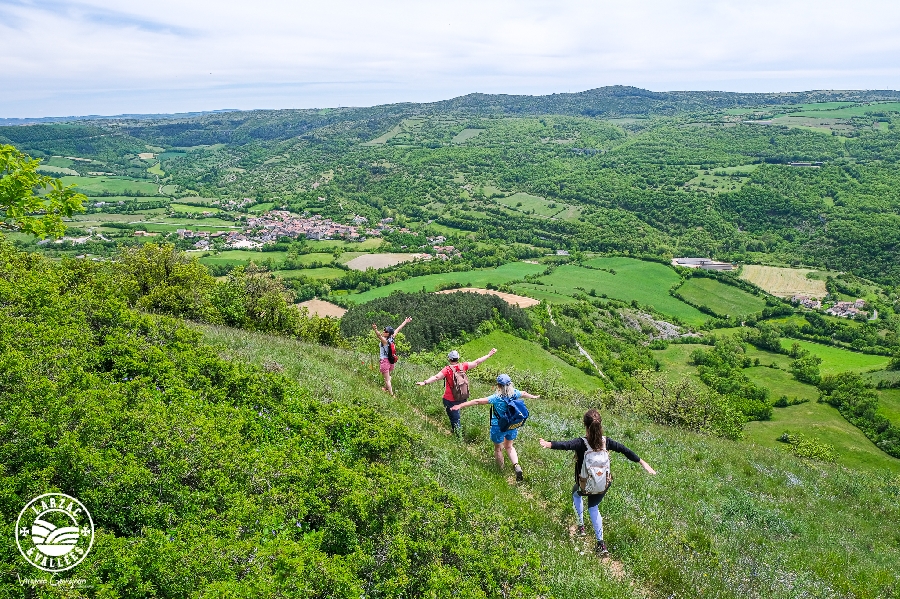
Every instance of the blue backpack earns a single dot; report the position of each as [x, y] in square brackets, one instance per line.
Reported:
[515, 415]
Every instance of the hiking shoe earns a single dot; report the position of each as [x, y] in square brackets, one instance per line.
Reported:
[519, 475]
[581, 530]
[601, 548]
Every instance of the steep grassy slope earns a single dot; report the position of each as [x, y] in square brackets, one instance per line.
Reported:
[721, 519]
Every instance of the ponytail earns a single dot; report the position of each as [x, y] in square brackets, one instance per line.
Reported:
[594, 426]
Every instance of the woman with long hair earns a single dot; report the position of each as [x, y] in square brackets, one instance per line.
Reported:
[503, 440]
[596, 443]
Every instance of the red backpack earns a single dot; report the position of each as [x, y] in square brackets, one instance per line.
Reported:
[392, 353]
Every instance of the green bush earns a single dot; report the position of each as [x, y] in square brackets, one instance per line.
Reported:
[683, 404]
[804, 447]
[207, 477]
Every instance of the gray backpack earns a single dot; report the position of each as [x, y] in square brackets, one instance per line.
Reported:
[595, 476]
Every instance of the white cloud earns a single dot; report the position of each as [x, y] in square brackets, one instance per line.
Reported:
[102, 57]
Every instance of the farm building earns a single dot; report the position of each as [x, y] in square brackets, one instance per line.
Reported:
[704, 263]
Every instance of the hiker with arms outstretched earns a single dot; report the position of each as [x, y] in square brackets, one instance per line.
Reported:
[386, 356]
[456, 384]
[592, 474]
[502, 434]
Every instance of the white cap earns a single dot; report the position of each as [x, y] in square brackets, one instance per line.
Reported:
[453, 355]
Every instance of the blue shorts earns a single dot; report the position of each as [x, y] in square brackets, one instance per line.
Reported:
[498, 436]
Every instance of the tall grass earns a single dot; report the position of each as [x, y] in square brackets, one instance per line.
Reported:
[721, 518]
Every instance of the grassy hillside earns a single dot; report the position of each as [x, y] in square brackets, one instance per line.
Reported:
[723, 519]
[514, 353]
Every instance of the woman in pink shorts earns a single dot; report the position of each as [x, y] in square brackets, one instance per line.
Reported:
[385, 339]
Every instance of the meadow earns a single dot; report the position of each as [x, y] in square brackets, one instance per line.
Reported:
[114, 185]
[724, 300]
[320, 274]
[538, 206]
[469, 278]
[236, 257]
[889, 404]
[465, 135]
[824, 423]
[514, 353]
[819, 421]
[646, 282]
[835, 359]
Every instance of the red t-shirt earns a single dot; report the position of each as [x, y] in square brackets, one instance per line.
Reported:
[448, 376]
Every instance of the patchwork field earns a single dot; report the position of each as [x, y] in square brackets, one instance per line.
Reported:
[784, 282]
[847, 112]
[516, 353]
[646, 282]
[722, 299]
[367, 261]
[470, 278]
[819, 421]
[835, 359]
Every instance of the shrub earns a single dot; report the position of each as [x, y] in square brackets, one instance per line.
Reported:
[804, 447]
[684, 404]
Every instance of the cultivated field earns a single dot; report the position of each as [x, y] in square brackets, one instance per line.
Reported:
[368, 261]
[318, 274]
[470, 278]
[509, 298]
[721, 298]
[646, 282]
[784, 282]
[322, 308]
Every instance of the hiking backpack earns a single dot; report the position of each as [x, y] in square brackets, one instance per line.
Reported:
[515, 415]
[595, 476]
[392, 353]
[459, 382]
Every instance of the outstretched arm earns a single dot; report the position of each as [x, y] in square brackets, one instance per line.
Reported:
[528, 395]
[647, 467]
[402, 324]
[432, 379]
[471, 402]
[475, 363]
[381, 337]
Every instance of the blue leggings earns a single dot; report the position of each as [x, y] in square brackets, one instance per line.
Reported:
[593, 511]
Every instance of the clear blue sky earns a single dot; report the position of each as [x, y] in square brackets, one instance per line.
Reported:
[102, 57]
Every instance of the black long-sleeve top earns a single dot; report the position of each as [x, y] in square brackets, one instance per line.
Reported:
[580, 448]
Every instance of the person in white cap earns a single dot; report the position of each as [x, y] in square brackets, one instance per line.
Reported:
[454, 377]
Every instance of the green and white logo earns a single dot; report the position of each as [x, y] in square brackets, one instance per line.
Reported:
[54, 532]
